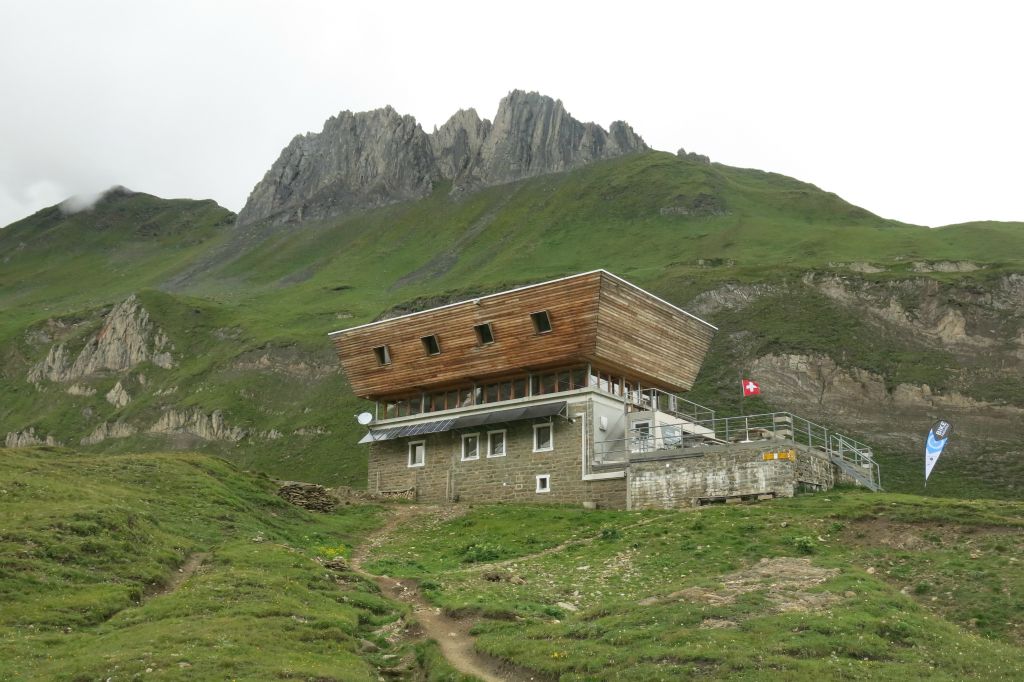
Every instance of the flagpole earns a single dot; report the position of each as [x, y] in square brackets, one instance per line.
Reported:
[743, 396]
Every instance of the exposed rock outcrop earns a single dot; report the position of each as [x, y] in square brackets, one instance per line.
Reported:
[197, 423]
[118, 396]
[975, 333]
[819, 389]
[27, 438]
[106, 431]
[369, 159]
[359, 160]
[128, 337]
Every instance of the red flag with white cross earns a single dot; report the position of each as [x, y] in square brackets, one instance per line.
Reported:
[750, 388]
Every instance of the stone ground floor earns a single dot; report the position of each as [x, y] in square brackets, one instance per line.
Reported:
[510, 464]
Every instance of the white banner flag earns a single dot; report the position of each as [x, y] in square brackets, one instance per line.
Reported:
[938, 436]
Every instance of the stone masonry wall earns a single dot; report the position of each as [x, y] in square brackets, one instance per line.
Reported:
[512, 478]
[734, 471]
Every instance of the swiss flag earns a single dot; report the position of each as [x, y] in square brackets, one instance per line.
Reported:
[750, 387]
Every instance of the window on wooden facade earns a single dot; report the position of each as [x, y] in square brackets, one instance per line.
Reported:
[383, 355]
[541, 321]
[544, 483]
[471, 446]
[417, 453]
[496, 444]
[484, 333]
[431, 344]
[542, 438]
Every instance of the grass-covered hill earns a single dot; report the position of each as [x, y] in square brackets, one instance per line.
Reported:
[869, 325]
[179, 566]
[91, 550]
[843, 585]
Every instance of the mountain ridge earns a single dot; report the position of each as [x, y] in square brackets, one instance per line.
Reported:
[857, 322]
[370, 159]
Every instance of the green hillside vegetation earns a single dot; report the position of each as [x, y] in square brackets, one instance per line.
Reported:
[832, 585]
[844, 585]
[90, 547]
[226, 297]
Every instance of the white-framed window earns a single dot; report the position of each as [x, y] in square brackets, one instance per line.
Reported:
[544, 483]
[417, 453]
[543, 437]
[496, 446]
[471, 446]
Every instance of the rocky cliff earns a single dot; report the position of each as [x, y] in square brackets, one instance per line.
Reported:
[369, 159]
[127, 338]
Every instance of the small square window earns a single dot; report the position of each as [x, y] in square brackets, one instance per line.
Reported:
[484, 333]
[544, 483]
[471, 446]
[496, 444]
[542, 438]
[541, 321]
[431, 344]
[383, 355]
[417, 453]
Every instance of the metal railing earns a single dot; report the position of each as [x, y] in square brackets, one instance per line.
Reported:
[853, 457]
[656, 399]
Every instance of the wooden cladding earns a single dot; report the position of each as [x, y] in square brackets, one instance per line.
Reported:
[641, 336]
[571, 305]
[593, 317]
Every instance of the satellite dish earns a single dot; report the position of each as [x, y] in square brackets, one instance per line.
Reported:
[364, 418]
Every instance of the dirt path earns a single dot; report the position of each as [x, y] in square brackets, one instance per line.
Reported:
[184, 572]
[451, 634]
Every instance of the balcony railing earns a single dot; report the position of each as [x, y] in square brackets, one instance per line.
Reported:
[854, 457]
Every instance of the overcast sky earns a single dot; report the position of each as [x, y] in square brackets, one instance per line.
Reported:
[912, 110]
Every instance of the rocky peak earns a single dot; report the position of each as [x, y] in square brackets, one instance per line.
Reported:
[369, 159]
[534, 134]
[358, 160]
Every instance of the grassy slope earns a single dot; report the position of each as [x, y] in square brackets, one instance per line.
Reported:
[921, 589]
[86, 541]
[286, 291]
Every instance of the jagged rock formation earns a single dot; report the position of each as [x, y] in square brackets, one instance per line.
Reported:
[27, 438]
[118, 396]
[197, 423]
[80, 390]
[105, 431]
[128, 337]
[369, 159]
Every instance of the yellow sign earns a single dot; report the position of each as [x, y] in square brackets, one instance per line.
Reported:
[781, 454]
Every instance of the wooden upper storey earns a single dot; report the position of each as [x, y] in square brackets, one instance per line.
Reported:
[592, 317]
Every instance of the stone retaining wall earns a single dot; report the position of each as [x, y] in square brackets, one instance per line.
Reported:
[725, 473]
